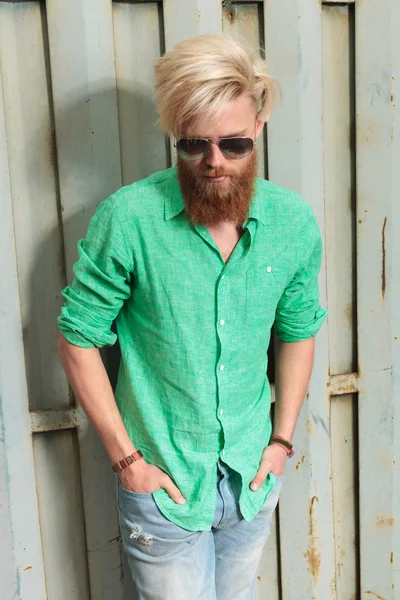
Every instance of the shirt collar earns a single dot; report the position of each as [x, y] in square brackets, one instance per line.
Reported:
[257, 206]
[173, 200]
[174, 203]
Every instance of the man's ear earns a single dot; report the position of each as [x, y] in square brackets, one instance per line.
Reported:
[259, 126]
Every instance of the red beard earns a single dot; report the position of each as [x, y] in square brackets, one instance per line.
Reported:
[212, 203]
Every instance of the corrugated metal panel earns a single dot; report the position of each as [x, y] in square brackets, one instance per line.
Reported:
[61, 515]
[183, 20]
[143, 146]
[338, 86]
[378, 284]
[99, 88]
[28, 110]
[86, 122]
[246, 21]
[21, 564]
[293, 32]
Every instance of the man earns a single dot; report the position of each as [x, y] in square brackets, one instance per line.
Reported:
[195, 265]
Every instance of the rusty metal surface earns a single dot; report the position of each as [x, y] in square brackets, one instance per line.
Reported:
[246, 21]
[81, 44]
[378, 284]
[33, 173]
[142, 143]
[95, 74]
[54, 419]
[293, 34]
[21, 564]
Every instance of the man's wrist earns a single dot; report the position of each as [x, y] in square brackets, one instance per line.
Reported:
[118, 466]
[283, 443]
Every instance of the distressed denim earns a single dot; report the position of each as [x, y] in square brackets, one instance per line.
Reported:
[170, 563]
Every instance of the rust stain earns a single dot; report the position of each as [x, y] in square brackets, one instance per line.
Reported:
[333, 586]
[391, 558]
[27, 568]
[375, 594]
[258, 578]
[314, 562]
[310, 426]
[232, 15]
[348, 313]
[312, 556]
[298, 465]
[385, 521]
[199, 15]
[383, 258]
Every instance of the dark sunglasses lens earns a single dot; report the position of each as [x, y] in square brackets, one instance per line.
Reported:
[236, 147]
[192, 149]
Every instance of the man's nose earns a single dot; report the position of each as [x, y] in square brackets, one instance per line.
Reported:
[214, 157]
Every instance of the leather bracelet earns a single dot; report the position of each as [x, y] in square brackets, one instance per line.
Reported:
[128, 460]
[285, 444]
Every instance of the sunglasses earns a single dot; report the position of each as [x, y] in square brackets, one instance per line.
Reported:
[231, 147]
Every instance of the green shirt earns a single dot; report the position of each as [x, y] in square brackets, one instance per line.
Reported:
[193, 331]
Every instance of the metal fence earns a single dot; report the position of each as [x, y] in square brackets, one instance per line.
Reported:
[76, 122]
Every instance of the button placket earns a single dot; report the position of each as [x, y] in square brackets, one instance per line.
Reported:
[224, 338]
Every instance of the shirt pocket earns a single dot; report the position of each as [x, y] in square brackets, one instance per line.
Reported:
[264, 288]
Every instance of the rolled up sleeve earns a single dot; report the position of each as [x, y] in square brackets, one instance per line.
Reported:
[102, 282]
[299, 315]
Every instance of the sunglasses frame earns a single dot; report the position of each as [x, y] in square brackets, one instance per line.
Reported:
[217, 142]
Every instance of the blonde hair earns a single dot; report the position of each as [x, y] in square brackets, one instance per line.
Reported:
[200, 76]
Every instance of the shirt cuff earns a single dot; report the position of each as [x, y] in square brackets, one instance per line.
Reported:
[288, 332]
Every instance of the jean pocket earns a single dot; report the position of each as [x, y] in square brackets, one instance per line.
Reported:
[131, 494]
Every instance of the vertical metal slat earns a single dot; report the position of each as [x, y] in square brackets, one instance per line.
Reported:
[293, 32]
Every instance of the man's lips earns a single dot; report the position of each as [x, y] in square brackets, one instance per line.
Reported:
[216, 179]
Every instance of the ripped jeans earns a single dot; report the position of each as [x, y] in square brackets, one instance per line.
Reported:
[170, 563]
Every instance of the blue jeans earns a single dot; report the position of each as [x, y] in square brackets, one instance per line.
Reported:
[170, 563]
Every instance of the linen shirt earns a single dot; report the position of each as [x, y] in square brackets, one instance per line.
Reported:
[194, 332]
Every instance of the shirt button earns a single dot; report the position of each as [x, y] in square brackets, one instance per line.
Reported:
[222, 367]
[221, 411]
[269, 269]
[222, 322]
[223, 277]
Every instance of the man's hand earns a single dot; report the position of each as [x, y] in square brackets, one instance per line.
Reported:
[273, 461]
[142, 478]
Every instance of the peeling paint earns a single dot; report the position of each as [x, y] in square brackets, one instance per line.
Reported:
[348, 313]
[385, 521]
